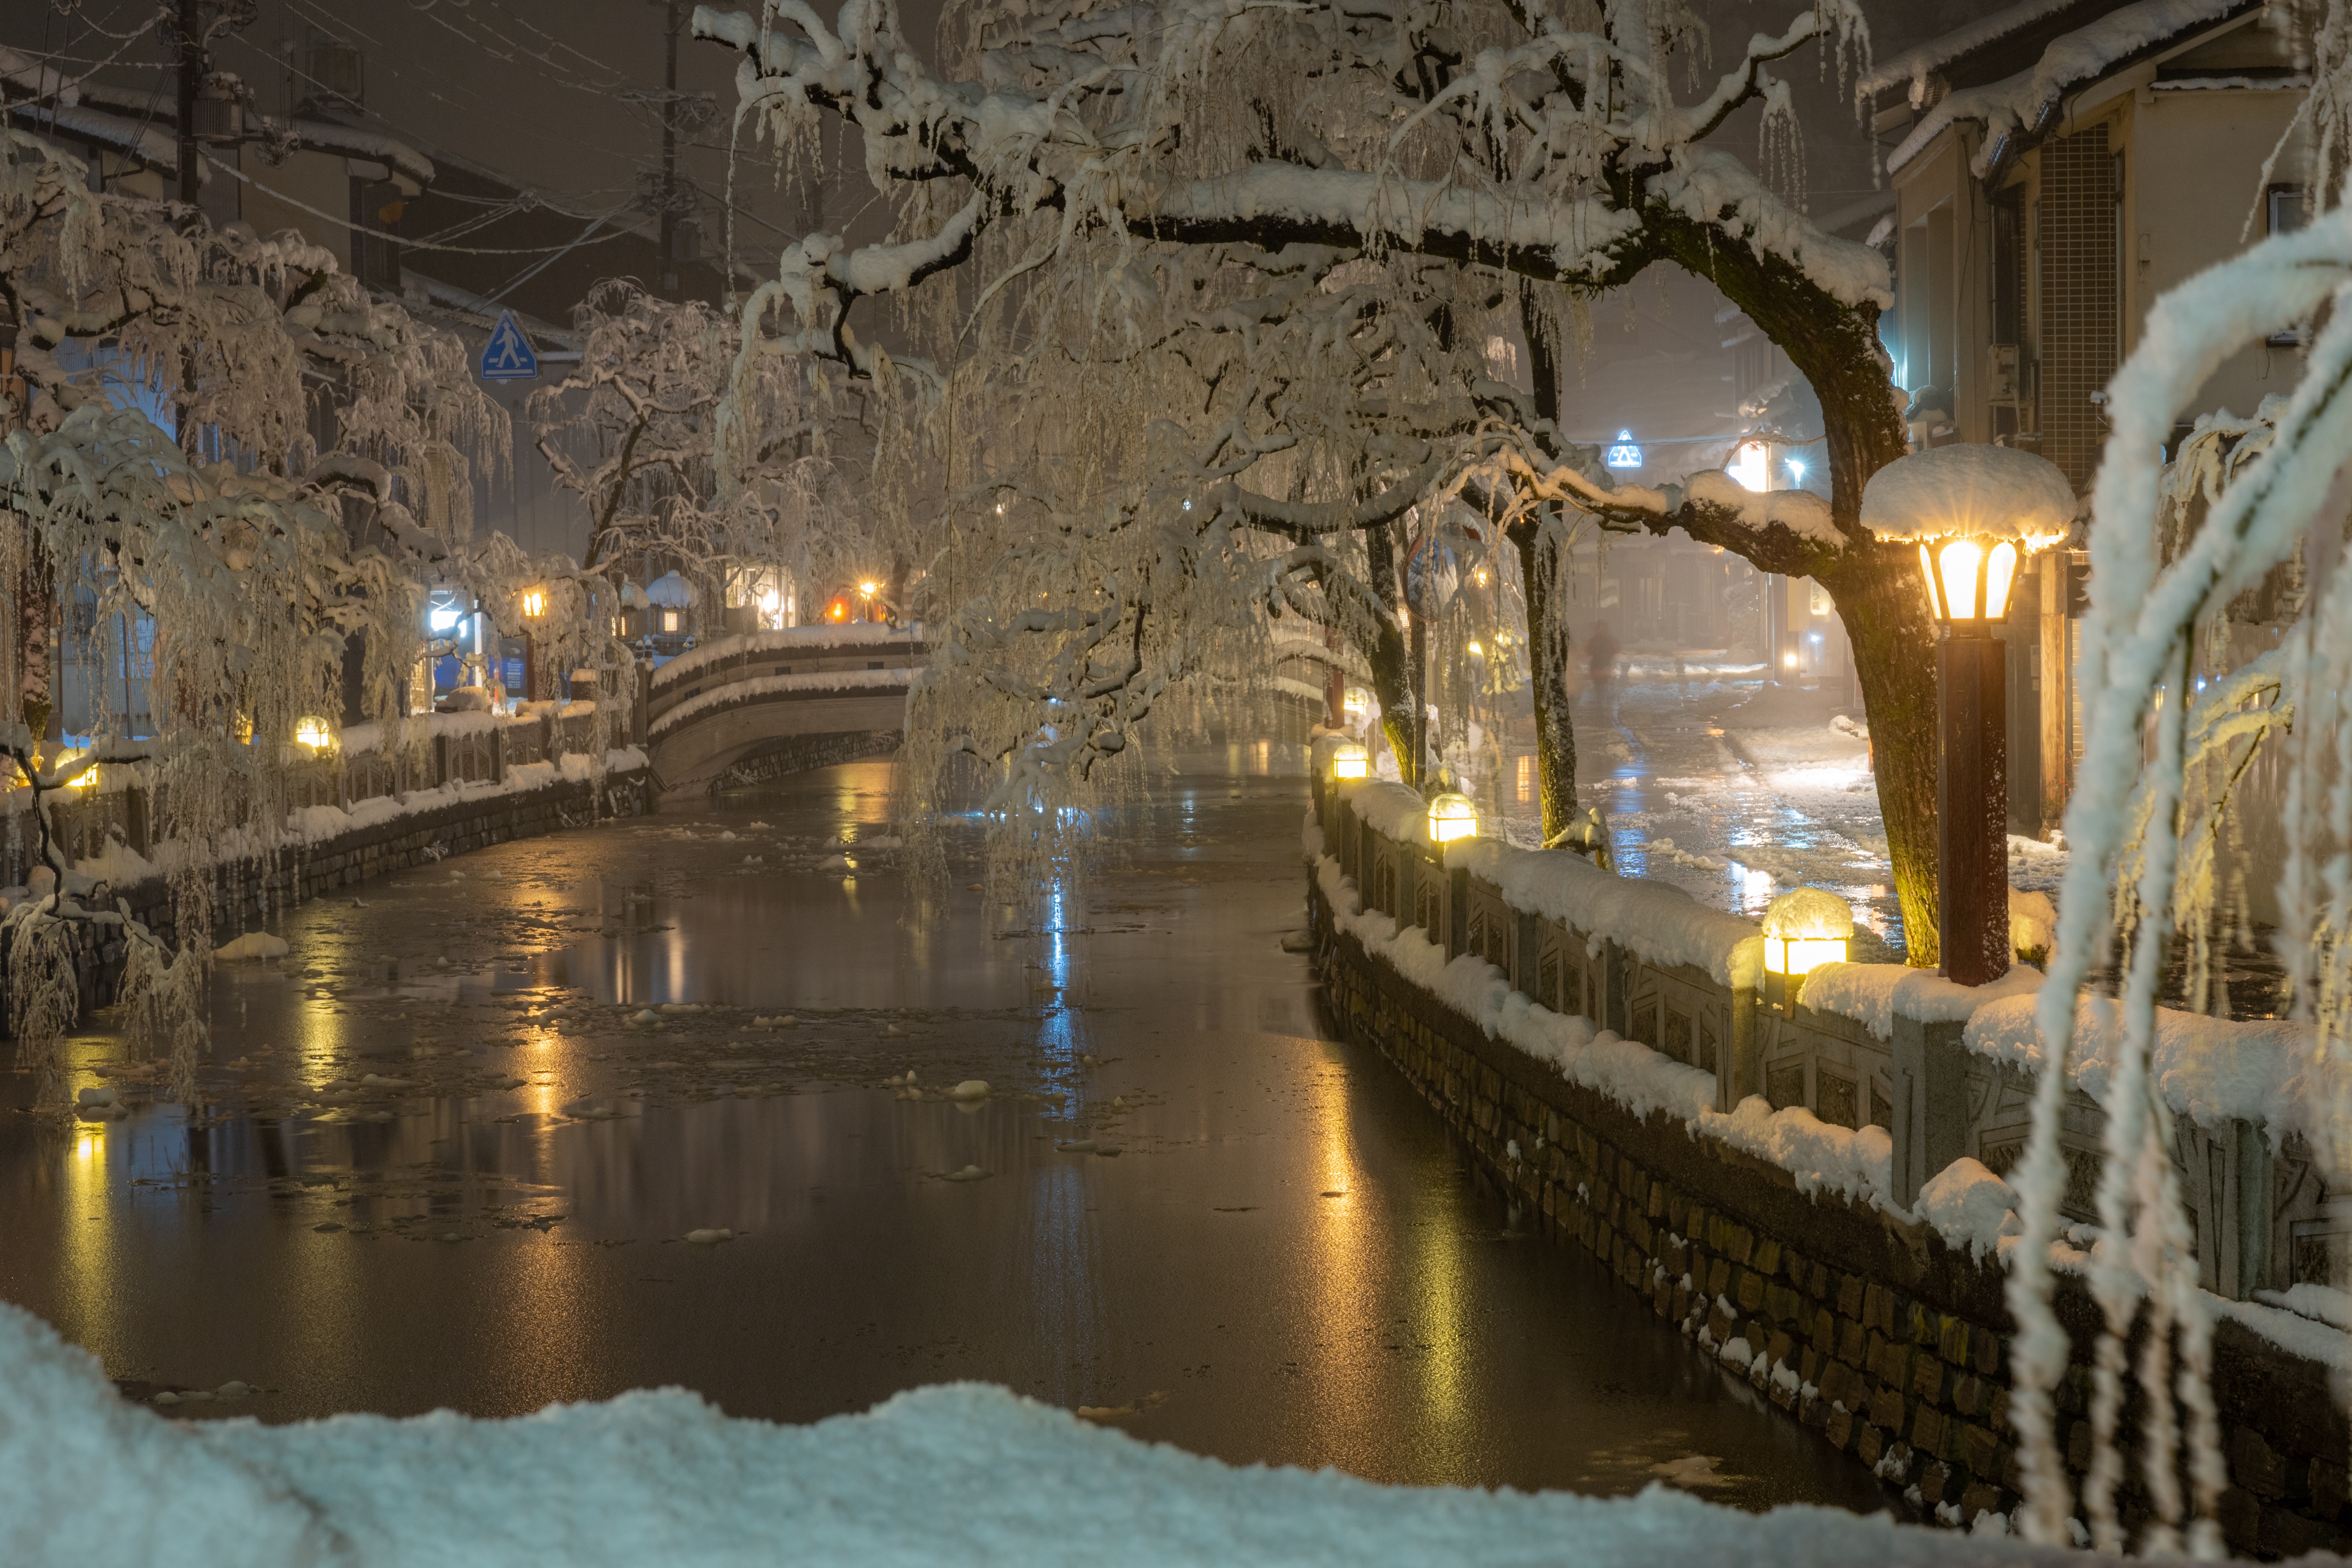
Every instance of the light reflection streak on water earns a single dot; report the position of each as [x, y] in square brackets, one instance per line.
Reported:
[1343, 1308]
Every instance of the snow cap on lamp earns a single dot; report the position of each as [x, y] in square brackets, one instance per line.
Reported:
[1971, 491]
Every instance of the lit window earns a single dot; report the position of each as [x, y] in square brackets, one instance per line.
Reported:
[669, 620]
[1527, 778]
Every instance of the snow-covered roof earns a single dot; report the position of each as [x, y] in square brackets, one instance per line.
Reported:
[1969, 490]
[1915, 64]
[142, 126]
[2019, 102]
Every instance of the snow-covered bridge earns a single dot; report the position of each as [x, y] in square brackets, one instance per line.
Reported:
[775, 702]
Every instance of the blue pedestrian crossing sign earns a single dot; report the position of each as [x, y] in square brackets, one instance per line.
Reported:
[508, 355]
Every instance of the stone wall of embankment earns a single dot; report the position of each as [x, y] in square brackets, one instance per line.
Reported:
[1855, 1319]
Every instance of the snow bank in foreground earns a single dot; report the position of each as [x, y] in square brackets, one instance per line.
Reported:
[959, 1473]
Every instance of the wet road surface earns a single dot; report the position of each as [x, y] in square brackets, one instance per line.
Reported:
[454, 1147]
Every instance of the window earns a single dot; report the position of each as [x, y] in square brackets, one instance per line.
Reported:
[1527, 777]
[1819, 600]
[2285, 210]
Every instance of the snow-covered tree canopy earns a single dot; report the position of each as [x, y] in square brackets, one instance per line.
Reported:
[225, 438]
[1327, 212]
[635, 432]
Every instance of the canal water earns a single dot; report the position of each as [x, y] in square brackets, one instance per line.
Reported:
[469, 1144]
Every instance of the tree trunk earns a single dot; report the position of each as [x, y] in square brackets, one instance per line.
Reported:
[1393, 682]
[1555, 731]
[37, 611]
[1884, 612]
[1538, 579]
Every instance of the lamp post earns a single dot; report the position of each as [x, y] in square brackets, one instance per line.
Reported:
[534, 605]
[1804, 928]
[1975, 513]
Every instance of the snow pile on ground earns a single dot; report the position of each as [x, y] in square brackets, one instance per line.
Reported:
[252, 945]
[959, 1472]
[2209, 1070]
[1970, 1206]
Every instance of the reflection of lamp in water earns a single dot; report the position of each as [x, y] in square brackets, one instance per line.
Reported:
[1452, 816]
[1350, 761]
[1804, 928]
[313, 734]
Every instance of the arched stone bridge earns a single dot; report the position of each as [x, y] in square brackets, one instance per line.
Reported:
[761, 703]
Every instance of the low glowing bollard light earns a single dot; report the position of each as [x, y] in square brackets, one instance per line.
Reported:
[313, 734]
[1452, 816]
[1977, 513]
[1804, 928]
[1350, 760]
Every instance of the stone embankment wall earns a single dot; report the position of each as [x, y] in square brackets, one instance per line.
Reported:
[806, 754]
[1857, 1320]
[475, 782]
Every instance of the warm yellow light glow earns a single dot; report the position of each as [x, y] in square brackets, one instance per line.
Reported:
[1452, 816]
[1476, 651]
[1482, 577]
[869, 589]
[1936, 606]
[669, 620]
[313, 734]
[2000, 571]
[1788, 661]
[1353, 701]
[1350, 761]
[1751, 465]
[1957, 569]
[1799, 956]
[534, 603]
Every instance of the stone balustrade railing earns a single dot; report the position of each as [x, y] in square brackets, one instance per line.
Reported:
[1946, 1072]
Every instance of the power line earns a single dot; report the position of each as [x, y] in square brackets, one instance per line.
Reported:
[418, 244]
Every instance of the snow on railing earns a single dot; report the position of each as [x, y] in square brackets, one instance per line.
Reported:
[816, 683]
[715, 654]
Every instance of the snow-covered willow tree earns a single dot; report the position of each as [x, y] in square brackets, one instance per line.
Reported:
[2246, 526]
[634, 432]
[318, 455]
[1105, 158]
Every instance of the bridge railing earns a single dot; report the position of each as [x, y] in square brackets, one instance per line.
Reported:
[795, 652]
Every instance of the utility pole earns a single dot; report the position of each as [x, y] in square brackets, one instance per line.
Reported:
[189, 35]
[669, 153]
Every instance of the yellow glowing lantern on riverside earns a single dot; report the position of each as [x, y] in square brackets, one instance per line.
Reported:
[1804, 928]
[313, 734]
[1350, 760]
[534, 603]
[1968, 579]
[1452, 816]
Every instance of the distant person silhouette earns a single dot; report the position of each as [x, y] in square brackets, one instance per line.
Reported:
[1601, 655]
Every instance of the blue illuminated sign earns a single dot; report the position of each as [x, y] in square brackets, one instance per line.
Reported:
[1624, 453]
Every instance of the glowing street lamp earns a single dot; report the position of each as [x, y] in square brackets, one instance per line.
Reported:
[1975, 513]
[1350, 760]
[1452, 816]
[1804, 928]
[534, 606]
[313, 734]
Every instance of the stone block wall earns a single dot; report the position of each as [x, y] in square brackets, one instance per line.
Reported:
[1873, 1334]
[297, 873]
[806, 754]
